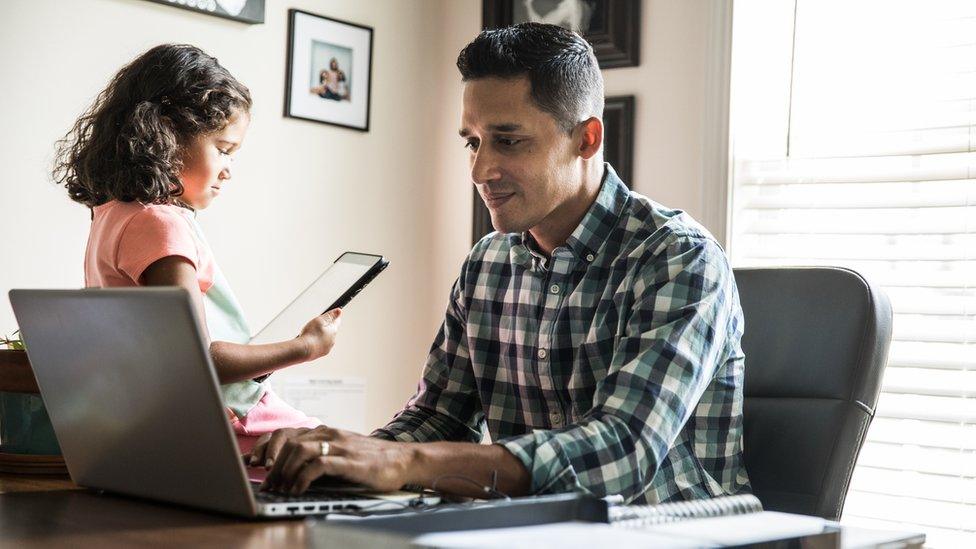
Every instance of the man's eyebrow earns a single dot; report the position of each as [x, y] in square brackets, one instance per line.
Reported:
[495, 128]
[505, 128]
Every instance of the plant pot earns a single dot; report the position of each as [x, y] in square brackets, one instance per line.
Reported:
[25, 427]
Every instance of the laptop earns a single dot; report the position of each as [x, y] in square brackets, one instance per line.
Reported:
[134, 401]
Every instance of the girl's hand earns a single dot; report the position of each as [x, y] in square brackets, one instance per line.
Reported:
[320, 333]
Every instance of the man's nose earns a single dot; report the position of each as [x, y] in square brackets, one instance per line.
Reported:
[484, 167]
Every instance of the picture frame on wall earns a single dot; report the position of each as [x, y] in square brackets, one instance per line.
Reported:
[244, 11]
[618, 135]
[329, 70]
[618, 150]
[612, 27]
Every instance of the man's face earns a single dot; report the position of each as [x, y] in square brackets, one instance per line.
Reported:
[523, 164]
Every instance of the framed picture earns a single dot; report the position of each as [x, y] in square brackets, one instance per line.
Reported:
[612, 27]
[245, 11]
[329, 70]
[618, 150]
[618, 135]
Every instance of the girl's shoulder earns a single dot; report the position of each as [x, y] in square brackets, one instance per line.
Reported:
[118, 212]
[127, 237]
[127, 222]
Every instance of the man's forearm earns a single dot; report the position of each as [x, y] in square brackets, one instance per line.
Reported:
[448, 464]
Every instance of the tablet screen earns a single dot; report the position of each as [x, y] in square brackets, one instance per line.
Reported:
[326, 289]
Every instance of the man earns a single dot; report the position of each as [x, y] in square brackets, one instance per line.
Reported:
[596, 333]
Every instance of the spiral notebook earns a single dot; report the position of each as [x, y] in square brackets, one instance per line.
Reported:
[642, 516]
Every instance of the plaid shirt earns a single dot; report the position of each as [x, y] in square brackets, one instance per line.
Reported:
[614, 367]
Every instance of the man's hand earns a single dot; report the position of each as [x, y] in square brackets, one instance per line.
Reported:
[297, 459]
[462, 468]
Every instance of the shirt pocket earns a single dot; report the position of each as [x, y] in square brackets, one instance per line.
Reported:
[590, 368]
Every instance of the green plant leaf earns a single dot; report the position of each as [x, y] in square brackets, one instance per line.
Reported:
[15, 341]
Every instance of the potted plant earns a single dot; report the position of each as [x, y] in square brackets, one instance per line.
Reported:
[25, 427]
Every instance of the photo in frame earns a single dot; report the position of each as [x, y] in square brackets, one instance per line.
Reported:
[329, 70]
[245, 11]
[618, 150]
[612, 27]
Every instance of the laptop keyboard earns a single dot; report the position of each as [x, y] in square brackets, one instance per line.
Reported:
[312, 494]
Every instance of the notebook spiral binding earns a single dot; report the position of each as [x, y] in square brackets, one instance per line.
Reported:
[641, 516]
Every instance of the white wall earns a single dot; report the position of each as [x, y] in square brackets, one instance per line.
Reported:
[304, 192]
[671, 86]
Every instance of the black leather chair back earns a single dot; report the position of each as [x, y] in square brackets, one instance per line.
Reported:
[816, 342]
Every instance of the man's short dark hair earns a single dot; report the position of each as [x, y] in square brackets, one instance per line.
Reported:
[563, 73]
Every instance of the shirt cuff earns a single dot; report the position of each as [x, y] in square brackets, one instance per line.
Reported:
[550, 469]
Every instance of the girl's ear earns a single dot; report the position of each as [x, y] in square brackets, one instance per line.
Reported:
[590, 137]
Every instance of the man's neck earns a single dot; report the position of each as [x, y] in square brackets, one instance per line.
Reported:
[555, 230]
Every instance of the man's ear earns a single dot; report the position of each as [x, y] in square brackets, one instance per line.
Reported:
[590, 137]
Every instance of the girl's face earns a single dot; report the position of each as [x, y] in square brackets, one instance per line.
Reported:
[207, 165]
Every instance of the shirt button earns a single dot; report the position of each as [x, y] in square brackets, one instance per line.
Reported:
[542, 354]
[554, 288]
[590, 257]
[556, 418]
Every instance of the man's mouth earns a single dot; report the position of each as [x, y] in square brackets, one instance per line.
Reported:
[494, 200]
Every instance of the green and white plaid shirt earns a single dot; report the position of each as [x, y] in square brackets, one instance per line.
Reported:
[614, 367]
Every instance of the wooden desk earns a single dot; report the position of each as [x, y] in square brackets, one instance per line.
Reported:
[53, 511]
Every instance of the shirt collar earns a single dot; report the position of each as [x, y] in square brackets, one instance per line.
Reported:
[593, 230]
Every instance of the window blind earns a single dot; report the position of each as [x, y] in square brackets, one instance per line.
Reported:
[873, 166]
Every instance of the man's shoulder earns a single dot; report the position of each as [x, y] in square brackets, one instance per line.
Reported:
[649, 228]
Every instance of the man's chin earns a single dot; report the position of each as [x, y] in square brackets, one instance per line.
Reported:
[506, 225]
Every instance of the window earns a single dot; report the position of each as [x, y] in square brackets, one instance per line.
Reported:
[854, 144]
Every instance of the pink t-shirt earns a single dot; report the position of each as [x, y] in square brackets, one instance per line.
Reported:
[128, 237]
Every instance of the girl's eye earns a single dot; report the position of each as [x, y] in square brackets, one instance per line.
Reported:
[225, 153]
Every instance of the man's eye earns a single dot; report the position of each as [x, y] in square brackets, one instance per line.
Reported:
[473, 145]
[508, 142]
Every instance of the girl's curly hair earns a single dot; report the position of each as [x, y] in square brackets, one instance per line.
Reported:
[128, 144]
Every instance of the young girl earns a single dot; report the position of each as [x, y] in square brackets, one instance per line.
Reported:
[154, 148]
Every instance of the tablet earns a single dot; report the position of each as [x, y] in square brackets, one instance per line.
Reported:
[335, 287]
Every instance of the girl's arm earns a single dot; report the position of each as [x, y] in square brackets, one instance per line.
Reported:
[235, 361]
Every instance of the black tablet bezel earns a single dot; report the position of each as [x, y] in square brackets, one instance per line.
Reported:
[367, 277]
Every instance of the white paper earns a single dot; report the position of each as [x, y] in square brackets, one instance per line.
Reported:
[744, 529]
[563, 535]
[338, 401]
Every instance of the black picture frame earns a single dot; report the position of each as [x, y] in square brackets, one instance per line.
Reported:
[251, 13]
[614, 30]
[297, 104]
[618, 135]
[618, 150]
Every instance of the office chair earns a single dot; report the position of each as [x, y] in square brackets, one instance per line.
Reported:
[816, 343]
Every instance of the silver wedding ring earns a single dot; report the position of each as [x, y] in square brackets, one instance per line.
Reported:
[324, 448]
